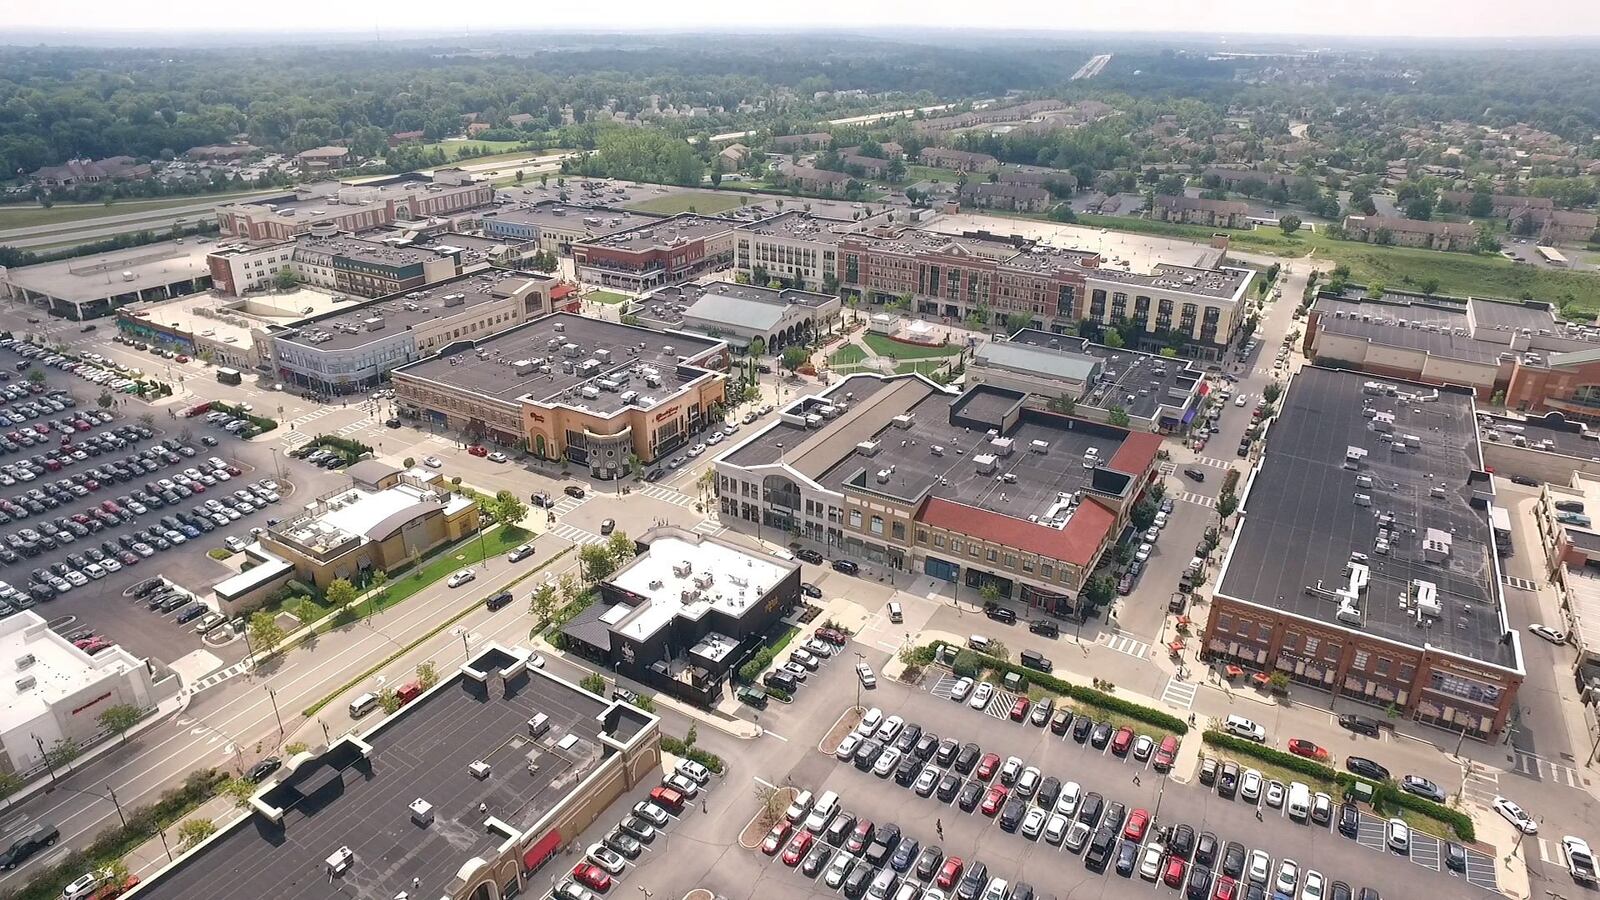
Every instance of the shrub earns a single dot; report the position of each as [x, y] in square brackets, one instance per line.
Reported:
[1105, 701]
[758, 663]
[1308, 767]
[706, 758]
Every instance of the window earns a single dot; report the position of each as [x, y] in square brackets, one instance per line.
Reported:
[855, 518]
[955, 545]
[994, 555]
[938, 540]
[922, 535]
[1311, 646]
[1224, 622]
[1047, 570]
[1383, 665]
[1359, 662]
[897, 530]
[1011, 560]
[877, 524]
[1263, 632]
[1027, 564]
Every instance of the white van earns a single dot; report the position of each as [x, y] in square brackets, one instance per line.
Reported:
[362, 705]
[1239, 726]
[798, 809]
[978, 642]
[896, 614]
[822, 813]
[1299, 801]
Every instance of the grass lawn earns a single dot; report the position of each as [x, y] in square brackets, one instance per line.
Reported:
[702, 202]
[27, 216]
[848, 355]
[611, 297]
[466, 553]
[924, 366]
[915, 174]
[883, 346]
[451, 148]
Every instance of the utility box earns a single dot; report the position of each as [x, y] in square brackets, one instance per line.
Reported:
[422, 812]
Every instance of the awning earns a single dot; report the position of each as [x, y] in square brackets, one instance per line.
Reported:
[1233, 671]
[1205, 387]
[541, 851]
[1188, 415]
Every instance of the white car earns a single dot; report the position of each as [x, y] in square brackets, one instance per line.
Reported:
[981, 695]
[1150, 864]
[926, 779]
[1312, 889]
[1549, 634]
[1055, 830]
[1067, 800]
[1033, 822]
[683, 784]
[1288, 877]
[890, 729]
[1275, 794]
[1077, 836]
[887, 761]
[864, 672]
[838, 870]
[497, 456]
[1144, 551]
[1260, 867]
[1398, 835]
[962, 687]
[1250, 785]
[691, 769]
[847, 747]
[432, 462]
[1241, 401]
[1143, 747]
[461, 577]
[1516, 816]
[870, 720]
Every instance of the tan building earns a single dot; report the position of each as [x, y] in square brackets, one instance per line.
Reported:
[1412, 232]
[469, 791]
[795, 247]
[790, 143]
[1554, 226]
[1017, 197]
[567, 387]
[960, 160]
[322, 159]
[1201, 211]
[329, 208]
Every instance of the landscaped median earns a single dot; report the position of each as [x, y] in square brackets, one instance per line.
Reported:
[1119, 711]
[1387, 799]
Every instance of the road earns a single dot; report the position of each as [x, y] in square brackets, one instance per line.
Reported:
[867, 119]
[65, 230]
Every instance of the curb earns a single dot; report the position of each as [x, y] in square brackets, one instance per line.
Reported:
[45, 783]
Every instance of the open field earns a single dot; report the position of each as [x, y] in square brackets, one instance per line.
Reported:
[883, 346]
[20, 216]
[700, 202]
[453, 148]
[915, 174]
[609, 297]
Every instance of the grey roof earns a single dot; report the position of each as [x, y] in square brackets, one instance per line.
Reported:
[346, 327]
[1301, 522]
[371, 471]
[737, 312]
[1029, 359]
[1143, 384]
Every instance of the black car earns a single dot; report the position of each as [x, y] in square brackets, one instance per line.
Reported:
[1011, 813]
[1199, 887]
[970, 795]
[925, 746]
[928, 863]
[28, 843]
[1525, 481]
[811, 590]
[1180, 842]
[195, 611]
[905, 855]
[972, 882]
[1205, 850]
[1228, 781]
[1455, 856]
[1101, 736]
[907, 772]
[810, 556]
[946, 753]
[1349, 820]
[846, 566]
[1115, 813]
[1359, 724]
[1366, 768]
[967, 758]
[815, 860]
[259, 772]
[867, 754]
[840, 828]
[1233, 860]
[1081, 728]
[1044, 628]
[948, 787]
[907, 738]
[1091, 808]
[1002, 614]
[498, 601]
[1049, 790]
[1127, 856]
[855, 884]
[1061, 722]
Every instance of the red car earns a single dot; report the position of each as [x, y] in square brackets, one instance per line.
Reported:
[1302, 747]
[859, 837]
[775, 838]
[1173, 874]
[592, 876]
[670, 799]
[949, 873]
[1227, 889]
[1138, 820]
[832, 636]
[993, 800]
[475, 450]
[41, 427]
[1165, 754]
[1123, 740]
[1019, 709]
[987, 765]
[798, 848]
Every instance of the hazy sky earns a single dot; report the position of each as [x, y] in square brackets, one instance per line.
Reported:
[1420, 18]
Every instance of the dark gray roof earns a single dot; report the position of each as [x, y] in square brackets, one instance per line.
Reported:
[347, 326]
[1301, 522]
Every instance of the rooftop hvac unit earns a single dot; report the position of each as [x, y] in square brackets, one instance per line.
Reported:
[523, 367]
[26, 683]
[590, 392]
[479, 769]
[374, 323]
[421, 812]
[569, 349]
[813, 421]
[984, 463]
[903, 420]
[1039, 446]
[603, 355]
[682, 569]
[869, 448]
[25, 660]
[1002, 446]
[883, 475]
[629, 396]
[561, 326]
[1425, 595]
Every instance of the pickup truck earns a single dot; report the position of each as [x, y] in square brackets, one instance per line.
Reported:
[1580, 861]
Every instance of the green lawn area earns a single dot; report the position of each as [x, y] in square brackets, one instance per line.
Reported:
[915, 174]
[883, 346]
[846, 356]
[27, 216]
[466, 553]
[611, 297]
[924, 366]
[451, 148]
[702, 202]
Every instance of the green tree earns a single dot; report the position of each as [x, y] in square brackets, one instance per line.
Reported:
[1227, 504]
[239, 790]
[1062, 403]
[597, 562]
[1062, 212]
[758, 348]
[389, 700]
[286, 279]
[295, 748]
[543, 603]
[265, 633]
[1100, 590]
[1113, 339]
[377, 589]
[593, 683]
[1289, 224]
[1116, 415]
[106, 400]
[1143, 515]
[620, 546]
[35, 377]
[1428, 286]
[1481, 206]
[427, 675]
[192, 831]
[340, 592]
[990, 592]
[10, 783]
[1272, 392]
[61, 754]
[119, 718]
[508, 509]
[793, 358]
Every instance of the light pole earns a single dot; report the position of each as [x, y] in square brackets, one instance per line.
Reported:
[859, 658]
[273, 695]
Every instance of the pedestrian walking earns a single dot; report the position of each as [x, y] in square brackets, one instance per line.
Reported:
[1136, 779]
[1258, 814]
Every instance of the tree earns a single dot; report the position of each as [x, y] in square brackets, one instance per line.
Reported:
[793, 358]
[990, 592]
[1481, 206]
[597, 562]
[1062, 212]
[1116, 415]
[427, 675]
[1113, 339]
[507, 509]
[1100, 590]
[758, 348]
[1272, 392]
[1290, 223]
[239, 790]
[1143, 515]
[593, 683]
[192, 831]
[107, 400]
[389, 700]
[1419, 208]
[377, 589]
[340, 592]
[286, 279]
[543, 603]
[295, 748]
[1383, 236]
[1429, 286]
[119, 718]
[620, 546]
[1227, 504]
[1062, 403]
[774, 803]
[61, 754]
[518, 176]
[10, 783]
[265, 633]
[36, 377]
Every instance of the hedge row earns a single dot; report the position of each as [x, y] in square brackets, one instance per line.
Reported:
[260, 422]
[752, 670]
[1385, 792]
[706, 758]
[1156, 717]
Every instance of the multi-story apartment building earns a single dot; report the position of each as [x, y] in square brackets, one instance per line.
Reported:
[975, 488]
[555, 227]
[1500, 205]
[350, 265]
[1201, 308]
[794, 247]
[1005, 195]
[952, 276]
[1365, 566]
[566, 387]
[652, 254]
[808, 178]
[354, 348]
[328, 209]
[1554, 226]
[1200, 211]
[960, 160]
[790, 143]
[1412, 232]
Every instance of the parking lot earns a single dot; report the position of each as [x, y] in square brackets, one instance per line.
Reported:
[1036, 861]
[121, 501]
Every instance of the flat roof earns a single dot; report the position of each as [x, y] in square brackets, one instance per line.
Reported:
[375, 252]
[286, 309]
[662, 233]
[596, 221]
[98, 275]
[717, 576]
[1473, 329]
[1302, 524]
[344, 799]
[59, 670]
[335, 198]
[489, 367]
[723, 303]
[351, 325]
[1550, 433]
[184, 313]
[1224, 282]
[1141, 383]
[799, 225]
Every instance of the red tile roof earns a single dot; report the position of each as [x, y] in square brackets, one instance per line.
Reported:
[1136, 453]
[1077, 543]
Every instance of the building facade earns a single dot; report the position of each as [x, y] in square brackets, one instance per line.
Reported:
[669, 251]
[328, 210]
[794, 247]
[1200, 211]
[1412, 232]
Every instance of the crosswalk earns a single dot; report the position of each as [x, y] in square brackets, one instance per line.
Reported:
[666, 495]
[1481, 785]
[307, 418]
[217, 677]
[709, 527]
[1212, 463]
[1541, 769]
[1521, 584]
[1169, 468]
[1197, 499]
[294, 439]
[575, 534]
[1124, 643]
[1551, 852]
[567, 504]
[1179, 693]
[357, 425]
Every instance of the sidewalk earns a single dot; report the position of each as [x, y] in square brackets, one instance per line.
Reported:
[44, 782]
[151, 856]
